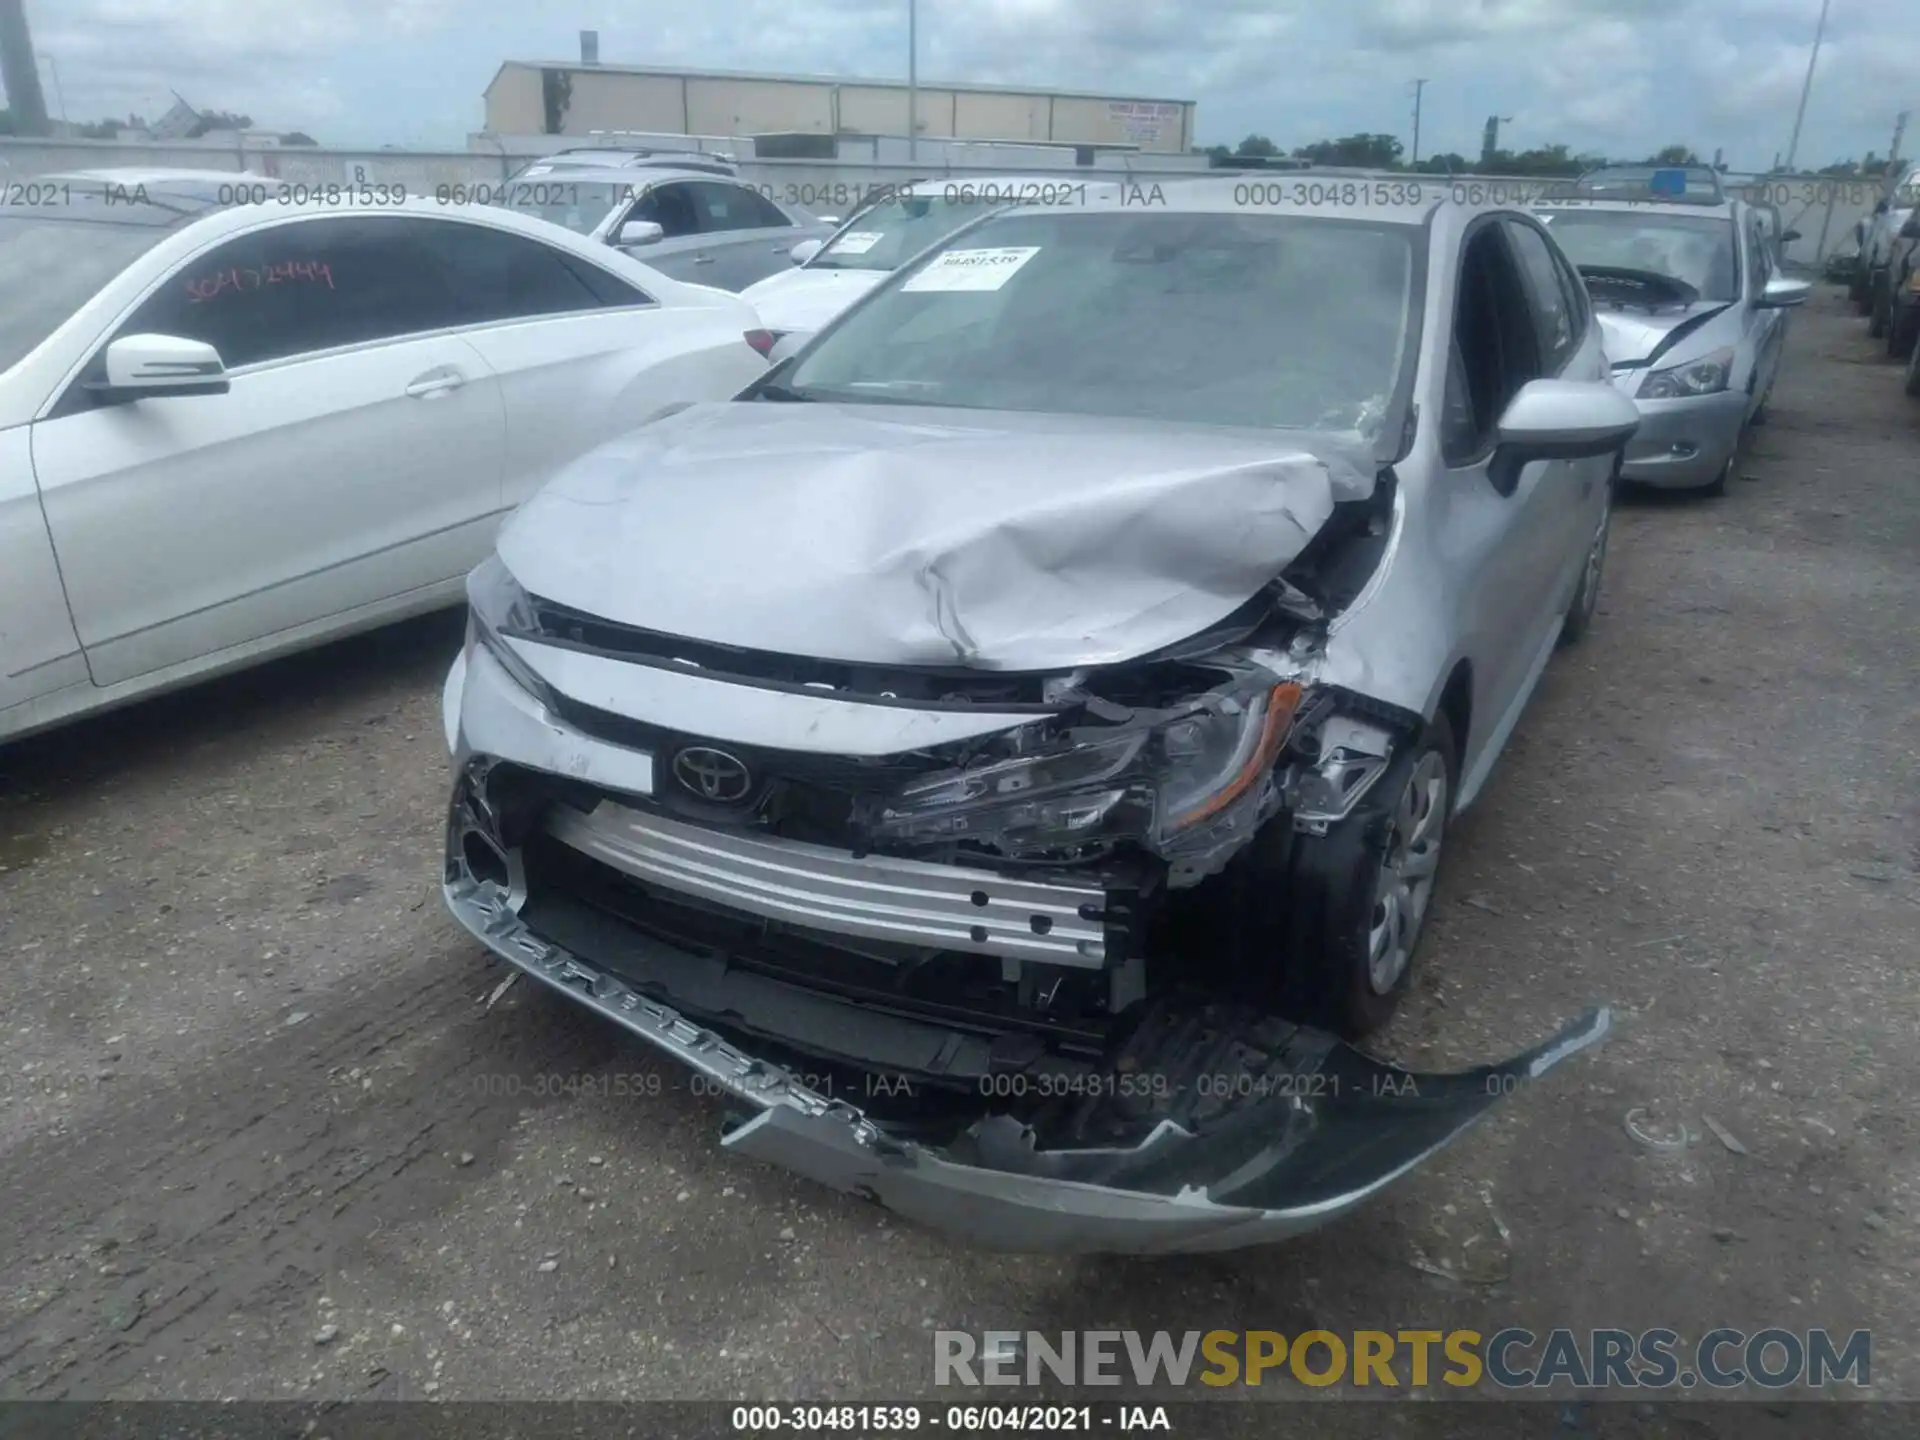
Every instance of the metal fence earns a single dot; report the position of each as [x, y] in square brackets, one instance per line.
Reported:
[1823, 210]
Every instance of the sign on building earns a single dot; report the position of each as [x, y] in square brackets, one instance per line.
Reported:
[1146, 122]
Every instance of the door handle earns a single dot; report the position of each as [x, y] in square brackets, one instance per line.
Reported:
[435, 382]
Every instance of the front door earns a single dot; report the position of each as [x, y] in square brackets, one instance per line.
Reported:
[356, 458]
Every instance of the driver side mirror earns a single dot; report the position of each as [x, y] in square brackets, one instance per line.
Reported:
[640, 232]
[151, 367]
[1560, 420]
[804, 251]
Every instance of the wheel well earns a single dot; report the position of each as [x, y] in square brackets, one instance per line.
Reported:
[1456, 703]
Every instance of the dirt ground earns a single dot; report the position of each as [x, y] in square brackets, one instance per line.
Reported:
[260, 1136]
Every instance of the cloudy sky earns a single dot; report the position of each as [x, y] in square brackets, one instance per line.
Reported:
[1618, 76]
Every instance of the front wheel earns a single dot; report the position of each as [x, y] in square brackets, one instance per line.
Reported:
[1902, 325]
[1359, 896]
[1580, 613]
[1878, 314]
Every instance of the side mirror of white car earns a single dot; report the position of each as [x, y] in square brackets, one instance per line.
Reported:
[1782, 292]
[142, 367]
[640, 232]
[1561, 420]
[804, 251]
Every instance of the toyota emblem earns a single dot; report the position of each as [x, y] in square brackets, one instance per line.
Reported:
[713, 775]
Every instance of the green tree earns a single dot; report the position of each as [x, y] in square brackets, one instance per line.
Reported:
[1359, 152]
[1256, 145]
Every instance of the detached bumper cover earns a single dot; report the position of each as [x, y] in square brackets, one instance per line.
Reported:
[1300, 1128]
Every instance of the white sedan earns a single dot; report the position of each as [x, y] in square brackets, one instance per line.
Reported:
[235, 422]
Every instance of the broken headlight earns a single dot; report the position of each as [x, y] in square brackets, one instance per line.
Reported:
[496, 608]
[1705, 376]
[1148, 782]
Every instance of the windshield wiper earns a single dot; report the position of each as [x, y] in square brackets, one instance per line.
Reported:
[777, 391]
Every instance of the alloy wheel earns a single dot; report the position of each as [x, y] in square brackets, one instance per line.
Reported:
[1404, 889]
[1596, 563]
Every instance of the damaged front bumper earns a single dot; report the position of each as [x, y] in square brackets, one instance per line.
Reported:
[1224, 1128]
[1184, 1124]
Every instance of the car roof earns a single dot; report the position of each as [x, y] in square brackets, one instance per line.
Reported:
[1396, 200]
[599, 159]
[149, 175]
[1671, 184]
[1691, 209]
[622, 175]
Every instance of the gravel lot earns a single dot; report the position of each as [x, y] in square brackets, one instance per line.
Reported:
[261, 1137]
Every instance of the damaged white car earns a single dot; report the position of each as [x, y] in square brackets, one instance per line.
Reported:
[1006, 748]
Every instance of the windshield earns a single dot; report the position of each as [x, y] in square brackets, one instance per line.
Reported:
[562, 199]
[1229, 319]
[894, 231]
[53, 261]
[1696, 249]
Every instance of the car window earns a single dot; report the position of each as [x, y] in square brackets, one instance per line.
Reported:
[1497, 344]
[54, 259]
[762, 213]
[1297, 322]
[1697, 250]
[576, 204]
[671, 207]
[1759, 262]
[724, 207]
[304, 286]
[1552, 306]
[498, 276]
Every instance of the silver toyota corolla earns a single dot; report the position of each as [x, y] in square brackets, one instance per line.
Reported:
[1006, 750]
[1692, 309]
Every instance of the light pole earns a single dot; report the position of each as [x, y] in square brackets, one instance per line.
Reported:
[1806, 87]
[59, 95]
[1418, 86]
[913, 82]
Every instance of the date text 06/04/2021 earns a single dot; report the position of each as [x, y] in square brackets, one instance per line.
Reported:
[957, 1419]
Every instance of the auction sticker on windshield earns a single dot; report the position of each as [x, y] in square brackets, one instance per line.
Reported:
[972, 269]
[858, 242]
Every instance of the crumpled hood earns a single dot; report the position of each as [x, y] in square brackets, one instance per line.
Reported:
[900, 535]
[806, 298]
[1635, 337]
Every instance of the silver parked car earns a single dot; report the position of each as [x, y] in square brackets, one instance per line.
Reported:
[1044, 692]
[1692, 307]
[691, 224]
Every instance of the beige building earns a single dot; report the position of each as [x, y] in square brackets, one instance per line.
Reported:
[570, 98]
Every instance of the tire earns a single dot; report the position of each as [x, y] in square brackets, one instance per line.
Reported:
[1717, 486]
[1311, 904]
[1913, 369]
[1902, 326]
[1857, 290]
[1877, 312]
[1580, 612]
